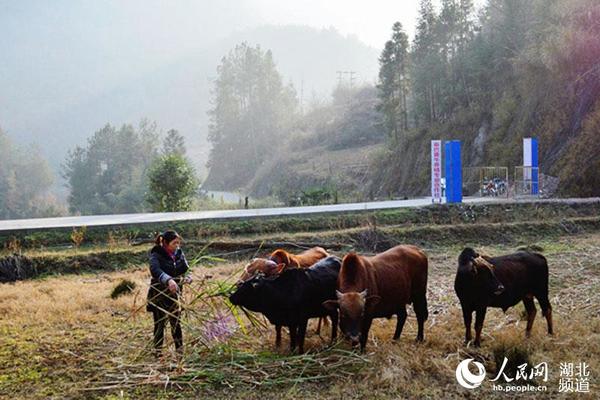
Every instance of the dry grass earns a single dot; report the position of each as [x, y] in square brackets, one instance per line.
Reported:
[65, 337]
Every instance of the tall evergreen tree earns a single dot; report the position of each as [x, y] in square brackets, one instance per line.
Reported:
[173, 143]
[393, 83]
[251, 112]
[426, 65]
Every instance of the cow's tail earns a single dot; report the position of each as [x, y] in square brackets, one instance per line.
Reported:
[543, 267]
[419, 296]
[542, 294]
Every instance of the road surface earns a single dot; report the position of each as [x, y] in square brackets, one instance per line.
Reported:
[126, 219]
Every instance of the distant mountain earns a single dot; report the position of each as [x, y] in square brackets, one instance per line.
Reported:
[177, 94]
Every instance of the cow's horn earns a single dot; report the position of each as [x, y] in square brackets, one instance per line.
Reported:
[482, 262]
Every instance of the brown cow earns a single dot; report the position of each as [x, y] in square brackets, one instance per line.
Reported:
[262, 265]
[303, 260]
[280, 260]
[381, 286]
[277, 262]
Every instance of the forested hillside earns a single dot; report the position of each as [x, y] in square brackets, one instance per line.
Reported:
[513, 69]
[520, 69]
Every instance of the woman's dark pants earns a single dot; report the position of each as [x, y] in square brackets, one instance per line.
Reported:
[160, 320]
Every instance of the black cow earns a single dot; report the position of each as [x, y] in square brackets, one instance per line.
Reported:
[501, 282]
[292, 297]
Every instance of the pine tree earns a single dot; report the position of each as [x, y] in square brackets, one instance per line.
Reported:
[251, 112]
[425, 65]
[173, 143]
[393, 83]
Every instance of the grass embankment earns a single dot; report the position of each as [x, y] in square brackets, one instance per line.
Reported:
[429, 227]
[64, 337]
[117, 236]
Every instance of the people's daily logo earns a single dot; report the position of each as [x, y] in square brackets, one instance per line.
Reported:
[466, 378]
[574, 377]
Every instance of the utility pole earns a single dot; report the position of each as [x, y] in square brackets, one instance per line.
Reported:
[302, 97]
[339, 78]
[352, 73]
[346, 73]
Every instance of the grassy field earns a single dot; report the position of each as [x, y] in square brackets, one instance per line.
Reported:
[63, 336]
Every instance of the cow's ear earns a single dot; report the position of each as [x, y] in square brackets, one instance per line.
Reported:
[331, 305]
[473, 266]
[371, 302]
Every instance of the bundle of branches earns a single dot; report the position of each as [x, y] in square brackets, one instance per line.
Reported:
[16, 267]
[224, 346]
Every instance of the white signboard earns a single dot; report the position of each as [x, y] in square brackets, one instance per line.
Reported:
[527, 159]
[436, 170]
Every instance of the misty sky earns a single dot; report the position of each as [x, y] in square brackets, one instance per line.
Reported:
[63, 61]
[370, 21]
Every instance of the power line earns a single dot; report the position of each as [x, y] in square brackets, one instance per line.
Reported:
[345, 74]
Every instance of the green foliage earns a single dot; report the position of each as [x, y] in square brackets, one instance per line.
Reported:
[313, 196]
[172, 184]
[25, 182]
[109, 174]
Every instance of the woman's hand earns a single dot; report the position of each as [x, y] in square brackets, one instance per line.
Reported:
[173, 288]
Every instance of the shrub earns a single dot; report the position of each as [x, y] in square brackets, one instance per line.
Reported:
[515, 354]
[123, 288]
[78, 235]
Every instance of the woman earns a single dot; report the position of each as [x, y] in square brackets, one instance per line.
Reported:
[168, 267]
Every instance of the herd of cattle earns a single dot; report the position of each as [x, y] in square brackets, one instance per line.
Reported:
[290, 289]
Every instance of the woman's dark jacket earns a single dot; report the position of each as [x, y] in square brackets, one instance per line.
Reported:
[162, 268]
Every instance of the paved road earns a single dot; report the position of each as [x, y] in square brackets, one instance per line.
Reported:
[122, 219]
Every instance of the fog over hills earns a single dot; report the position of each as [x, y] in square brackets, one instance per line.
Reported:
[59, 91]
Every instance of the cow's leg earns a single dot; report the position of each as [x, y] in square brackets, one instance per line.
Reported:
[546, 311]
[364, 334]
[293, 331]
[334, 326]
[420, 307]
[479, 318]
[301, 336]
[467, 317]
[277, 336]
[531, 311]
[400, 323]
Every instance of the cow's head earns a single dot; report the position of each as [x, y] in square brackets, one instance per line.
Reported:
[247, 293]
[482, 271]
[352, 309]
[256, 266]
[283, 259]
